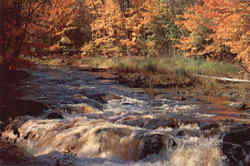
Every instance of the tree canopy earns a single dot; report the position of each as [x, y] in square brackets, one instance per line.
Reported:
[211, 28]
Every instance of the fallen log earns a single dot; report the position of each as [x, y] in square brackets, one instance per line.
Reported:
[223, 78]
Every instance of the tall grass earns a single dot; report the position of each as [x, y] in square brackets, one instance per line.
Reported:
[175, 71]
[176, 64]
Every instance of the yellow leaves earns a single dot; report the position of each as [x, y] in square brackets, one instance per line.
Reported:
[216, 24]
[234, 32]
[111, 25]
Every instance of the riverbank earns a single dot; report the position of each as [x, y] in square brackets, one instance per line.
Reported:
[177, 75]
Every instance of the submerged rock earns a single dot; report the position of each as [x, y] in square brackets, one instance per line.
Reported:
[54, 115]
[104, 98]
[81, 108]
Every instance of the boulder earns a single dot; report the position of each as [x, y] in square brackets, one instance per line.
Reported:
[104, 98]
[81, 108]
[87, 138]
[54, 115]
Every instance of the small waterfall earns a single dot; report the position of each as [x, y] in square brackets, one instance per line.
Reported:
[92, 122]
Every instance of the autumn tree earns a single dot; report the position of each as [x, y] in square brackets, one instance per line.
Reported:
[15, 17]
[29, 25]
[213, 27]
[57, 22]
[117, 26]
[196, 31]
[233, 28]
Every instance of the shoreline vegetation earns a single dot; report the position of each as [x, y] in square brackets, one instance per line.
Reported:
[155, 73]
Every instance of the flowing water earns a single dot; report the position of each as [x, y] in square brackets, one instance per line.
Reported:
[201, 133]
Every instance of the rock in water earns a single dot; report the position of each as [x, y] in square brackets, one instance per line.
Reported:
[54, 115]
[85, 138]
[81, 108]
[238, 105]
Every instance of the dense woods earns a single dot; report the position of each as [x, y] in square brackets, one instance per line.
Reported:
[216, 28]
[205, 28]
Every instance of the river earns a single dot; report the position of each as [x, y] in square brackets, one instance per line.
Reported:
[136, 128]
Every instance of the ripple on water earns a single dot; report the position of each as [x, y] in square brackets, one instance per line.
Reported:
[132, 109]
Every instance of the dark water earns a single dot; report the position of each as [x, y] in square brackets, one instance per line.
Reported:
[11, 93]
[31, 92]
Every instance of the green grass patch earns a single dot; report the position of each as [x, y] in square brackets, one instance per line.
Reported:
[176, 71]
[176, 64]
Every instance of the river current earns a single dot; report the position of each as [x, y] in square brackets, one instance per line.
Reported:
[198, 136]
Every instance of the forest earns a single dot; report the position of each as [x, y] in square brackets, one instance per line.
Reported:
[214, 29]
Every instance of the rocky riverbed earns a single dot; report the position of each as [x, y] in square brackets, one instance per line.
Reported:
[68, 116]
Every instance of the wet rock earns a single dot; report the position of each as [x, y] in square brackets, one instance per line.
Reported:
[154, 144]
[54, 115]
[149, 123]
[81, 108]
[104, 98]
[183, 133]
[208, 125]
[238, 105]
[93, 103]
[151, 145]
[121, 132]
[11, 131]
[133, 122]
[156, 123]
[236, 146]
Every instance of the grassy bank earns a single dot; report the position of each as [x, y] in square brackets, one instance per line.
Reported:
[174, 72]
[176, 64]
[154, 72]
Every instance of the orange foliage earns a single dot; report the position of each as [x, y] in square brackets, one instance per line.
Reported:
[26, 26]
[12, 29]
[52, 20]
[114, 25]
[233, 29]
[216, 24]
